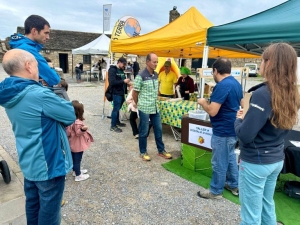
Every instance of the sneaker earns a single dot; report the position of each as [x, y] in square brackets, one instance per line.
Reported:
[207, 194]
[136, 136]
[63, 203]
[121, 124]
[145, 157]
[82, 177]
[165, 155]
[116, 129]
[234, 191]
[83, 171]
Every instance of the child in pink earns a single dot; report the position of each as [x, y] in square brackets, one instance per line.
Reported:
[80, 140]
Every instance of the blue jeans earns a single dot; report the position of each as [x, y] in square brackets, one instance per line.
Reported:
[43, 201]
[144, 131]
[115, 114]
[256, 191]
[225, 169]
[76, 157]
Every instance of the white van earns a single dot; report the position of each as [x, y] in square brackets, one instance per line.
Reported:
[253, 70]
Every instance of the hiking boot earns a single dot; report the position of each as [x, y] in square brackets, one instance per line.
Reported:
[116, 129]
[207, 194]
[82, 177]
[121, 124]
[63, 203]
[145, 157]
[165, 155]
[234, 191]
[83, 171]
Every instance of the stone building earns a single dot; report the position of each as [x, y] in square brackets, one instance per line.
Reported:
[59, 48]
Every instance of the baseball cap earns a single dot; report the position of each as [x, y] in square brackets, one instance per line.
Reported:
[122, 60]
[167, 63]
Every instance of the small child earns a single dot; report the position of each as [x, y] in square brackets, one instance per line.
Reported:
[80, 140]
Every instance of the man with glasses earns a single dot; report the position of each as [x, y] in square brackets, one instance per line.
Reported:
[118, 83]
[225, 101]
[167, 79]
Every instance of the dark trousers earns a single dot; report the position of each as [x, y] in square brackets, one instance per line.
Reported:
[132, 119]
[77, 156]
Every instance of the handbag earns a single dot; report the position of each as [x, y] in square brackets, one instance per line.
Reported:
[109, 94]
[292, 189]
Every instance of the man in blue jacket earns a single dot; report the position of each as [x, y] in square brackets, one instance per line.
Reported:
[38, 118]
[37, 31]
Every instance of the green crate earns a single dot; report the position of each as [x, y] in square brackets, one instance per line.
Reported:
[196, 159]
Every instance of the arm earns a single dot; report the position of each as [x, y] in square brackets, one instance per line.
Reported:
[57, 108]
[212, 109]
[257, 115]
[191, 85]
[135, 95]
[48, 74]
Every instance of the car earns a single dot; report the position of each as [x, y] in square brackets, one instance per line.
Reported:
[253, 69]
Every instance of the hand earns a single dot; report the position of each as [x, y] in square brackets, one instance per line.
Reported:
[201, 101]
[187, 92]
[240, 114]
[126, 81]
[84, 128]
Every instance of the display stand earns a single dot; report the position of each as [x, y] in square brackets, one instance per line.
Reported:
[239, 73]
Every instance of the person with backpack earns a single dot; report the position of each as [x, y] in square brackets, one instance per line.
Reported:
[118, 84]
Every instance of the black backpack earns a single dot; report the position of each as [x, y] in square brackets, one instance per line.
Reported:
[109, 94]
[292, 189]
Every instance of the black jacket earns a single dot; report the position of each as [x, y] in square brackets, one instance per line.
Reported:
[260, 141]
[116, 81]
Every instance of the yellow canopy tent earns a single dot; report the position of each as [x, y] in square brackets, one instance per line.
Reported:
[185, 37]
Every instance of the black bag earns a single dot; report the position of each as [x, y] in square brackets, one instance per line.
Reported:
[292, 189]
[109, 94]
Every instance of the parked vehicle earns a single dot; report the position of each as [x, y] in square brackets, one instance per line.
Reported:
[253, 69]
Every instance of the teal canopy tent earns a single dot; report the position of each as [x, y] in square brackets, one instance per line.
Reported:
[253, 34]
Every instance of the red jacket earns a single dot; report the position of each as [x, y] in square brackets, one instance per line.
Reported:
[79, 140]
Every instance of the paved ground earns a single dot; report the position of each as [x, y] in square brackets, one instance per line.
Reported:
[122, 189]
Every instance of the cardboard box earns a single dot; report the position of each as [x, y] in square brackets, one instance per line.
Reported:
[208, 88]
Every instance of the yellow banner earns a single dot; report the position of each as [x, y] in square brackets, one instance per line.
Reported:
[126, 27]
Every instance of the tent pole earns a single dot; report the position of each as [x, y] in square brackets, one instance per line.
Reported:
[204, 65]
[72, 65]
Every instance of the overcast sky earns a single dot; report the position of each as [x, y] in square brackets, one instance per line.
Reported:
[87, 16]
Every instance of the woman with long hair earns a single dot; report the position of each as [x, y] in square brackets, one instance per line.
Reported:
[272, 112]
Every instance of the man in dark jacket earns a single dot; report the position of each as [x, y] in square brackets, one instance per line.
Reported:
[118, 82]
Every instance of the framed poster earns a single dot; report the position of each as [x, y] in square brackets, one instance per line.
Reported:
[200, 135]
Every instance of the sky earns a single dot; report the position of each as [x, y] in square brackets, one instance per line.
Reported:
[87, 16]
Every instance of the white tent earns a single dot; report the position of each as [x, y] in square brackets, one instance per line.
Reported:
[99, 46]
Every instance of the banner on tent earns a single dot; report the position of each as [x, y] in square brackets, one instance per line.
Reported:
[126, 27]
[106, 17]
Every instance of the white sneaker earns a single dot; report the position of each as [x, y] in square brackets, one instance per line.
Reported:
[82, 177]
[83, 171]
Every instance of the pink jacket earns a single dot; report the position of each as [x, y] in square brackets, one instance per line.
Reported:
[79, 140]
[130, 102]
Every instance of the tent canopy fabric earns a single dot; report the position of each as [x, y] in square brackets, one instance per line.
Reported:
[99, 46]
[184, 37]
[253, 34]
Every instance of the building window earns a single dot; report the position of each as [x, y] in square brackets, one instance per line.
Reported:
[86, 59]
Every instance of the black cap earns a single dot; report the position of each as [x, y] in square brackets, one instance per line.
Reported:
[122, 60]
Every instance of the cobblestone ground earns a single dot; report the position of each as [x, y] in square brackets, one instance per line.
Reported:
[123, 189]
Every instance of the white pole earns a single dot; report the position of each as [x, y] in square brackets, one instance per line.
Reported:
[204, 65]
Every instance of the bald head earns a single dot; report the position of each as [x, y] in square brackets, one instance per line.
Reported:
[20, 63]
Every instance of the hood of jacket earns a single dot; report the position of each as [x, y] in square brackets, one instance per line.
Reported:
[12, 90]
[17, 40]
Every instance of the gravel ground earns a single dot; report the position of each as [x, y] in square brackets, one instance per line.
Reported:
[122, 188]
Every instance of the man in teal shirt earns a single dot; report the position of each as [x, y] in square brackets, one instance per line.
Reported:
[145, 93]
